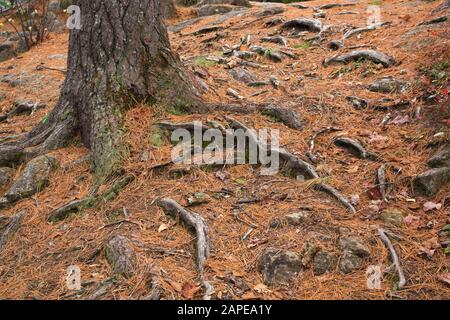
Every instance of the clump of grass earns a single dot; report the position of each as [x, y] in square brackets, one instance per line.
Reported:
[376, 2]
[304, 45]
[204, 63]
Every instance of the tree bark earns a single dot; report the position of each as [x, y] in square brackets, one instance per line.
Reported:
[120, 57]
[169, 8]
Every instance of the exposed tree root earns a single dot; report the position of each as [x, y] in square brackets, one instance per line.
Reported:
[352, 32]
[394, 256]
[9, 227]
[372, 55]
[196, 222]
[93, 199]
[355, 148]
[337, 195]
[283, 114]
[22, 107]
[297, 166]
[304, 24]
[311, 144]
[381, 181]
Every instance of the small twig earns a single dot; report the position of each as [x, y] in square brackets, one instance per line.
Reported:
[116, 223]
[394, 256]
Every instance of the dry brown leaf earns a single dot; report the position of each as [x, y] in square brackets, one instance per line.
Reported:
[444, 278]
[189, 290]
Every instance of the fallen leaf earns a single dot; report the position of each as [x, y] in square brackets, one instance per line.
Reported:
[189, 290]
[222, 175]
[353, 169]
[354, 199]
[163, 227]
[399, 120]
[444, 278]
[429, 206]
[429, 247]
[249, 296]
[261, 288]
[411, 220]
[177, 286]
[374, 193]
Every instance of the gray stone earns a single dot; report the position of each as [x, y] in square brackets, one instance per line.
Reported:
[3, 202]
[388, 85]
[392, 216]
[242, 3]
[324, 262]
[209, 10]
[57, 57]
[199, 198]
[121, 256]
[243, 75]
[7, 50]
[335, 44]
[309, 250]
[441, 158]
[279, 266]
[5, 175]
[298, 218]
[54, 5]
[33, 179]
[350, 262]
[430, 182]
[354, 245]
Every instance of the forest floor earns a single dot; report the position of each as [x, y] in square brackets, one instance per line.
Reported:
[34, 262]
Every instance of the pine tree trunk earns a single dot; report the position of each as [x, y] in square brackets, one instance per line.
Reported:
[120, 57]
[168, 8]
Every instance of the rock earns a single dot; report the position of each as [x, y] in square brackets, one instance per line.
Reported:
[243, 75]
[298, 218]
[276, 39]
[5, 175]
[324, 262]
[309, 250]
[209, 10]
[354, 245]
[430, 182]
[53, 23]
[350, 262]
[441, 158]
[7, 50]
[271, 11]
[57, 57]
[335, 44]
[3, 202]
[33, 179]
[388, 85]
[241, 3]
[54, 5]
[393, 217]
[121, 256]
[275, 223]
[357, 103]
[279, 266]
[304, 24]
[354, 251]
[198, 198]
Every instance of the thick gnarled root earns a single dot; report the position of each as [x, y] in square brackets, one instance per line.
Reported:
[199, 225]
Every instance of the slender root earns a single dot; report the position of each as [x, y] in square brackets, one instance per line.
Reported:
[10, 227]
[195, 221]
[394, 256]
